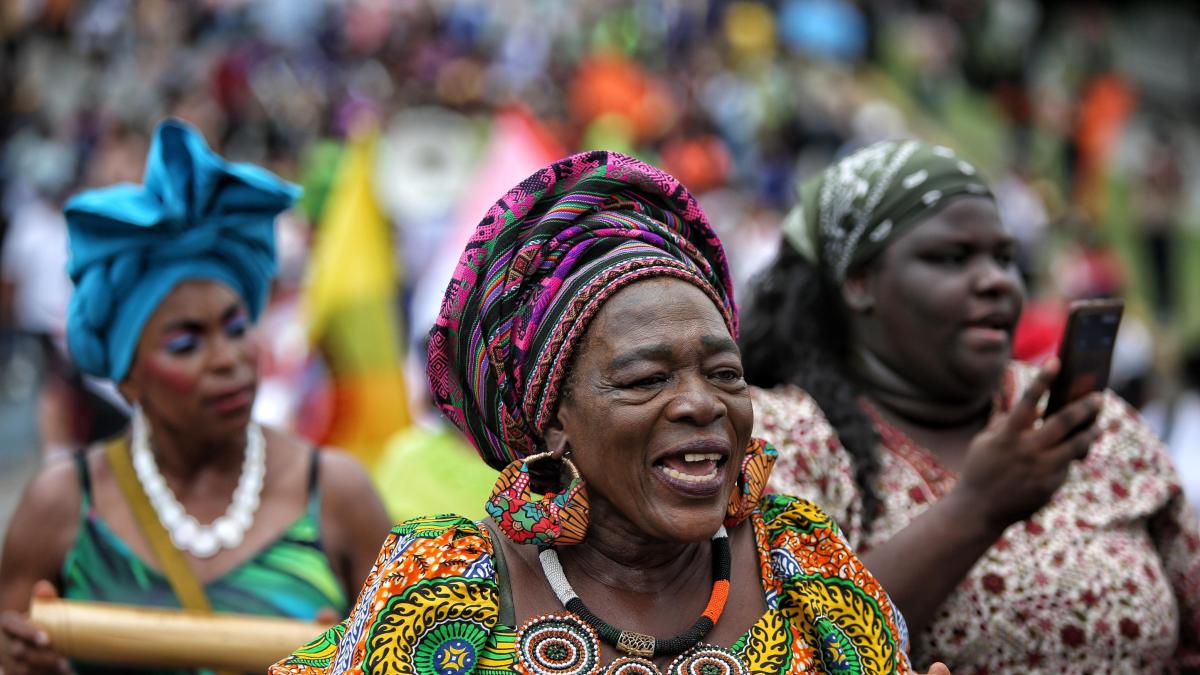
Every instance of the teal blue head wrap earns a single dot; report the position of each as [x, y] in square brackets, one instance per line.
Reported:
[195, 217]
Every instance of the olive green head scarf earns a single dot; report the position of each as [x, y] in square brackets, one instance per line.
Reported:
[850, 211]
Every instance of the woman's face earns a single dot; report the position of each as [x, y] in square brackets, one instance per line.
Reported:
[946, 298]
[657, 416]
[195, 368]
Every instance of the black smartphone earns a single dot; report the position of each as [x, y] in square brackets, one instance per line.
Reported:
[1085, 353]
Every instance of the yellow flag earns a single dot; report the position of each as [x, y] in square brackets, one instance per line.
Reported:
[351, 308]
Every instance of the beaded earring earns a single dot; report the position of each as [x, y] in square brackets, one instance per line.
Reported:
[555, 519]
[752, 480]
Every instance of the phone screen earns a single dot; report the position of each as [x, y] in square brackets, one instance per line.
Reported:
[1086, 351]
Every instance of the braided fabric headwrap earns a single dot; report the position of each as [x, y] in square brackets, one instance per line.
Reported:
[850, 211]
[195, 217]
[537, 268]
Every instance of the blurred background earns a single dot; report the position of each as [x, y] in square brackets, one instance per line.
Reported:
[405, 119]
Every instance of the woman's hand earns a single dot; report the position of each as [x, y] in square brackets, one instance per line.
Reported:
[1014, 466]
[26, 647]
[938, 668]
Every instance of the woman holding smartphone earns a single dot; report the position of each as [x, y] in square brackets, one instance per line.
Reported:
[1011, 541]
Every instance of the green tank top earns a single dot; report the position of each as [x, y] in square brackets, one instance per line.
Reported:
[291, 577]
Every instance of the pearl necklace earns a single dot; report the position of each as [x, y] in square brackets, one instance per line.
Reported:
[227, 531]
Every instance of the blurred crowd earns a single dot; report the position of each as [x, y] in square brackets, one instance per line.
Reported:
[1082, 115]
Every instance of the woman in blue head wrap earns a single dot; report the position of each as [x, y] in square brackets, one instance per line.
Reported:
[169, 278]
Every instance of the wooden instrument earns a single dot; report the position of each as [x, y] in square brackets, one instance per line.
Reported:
[168, 638]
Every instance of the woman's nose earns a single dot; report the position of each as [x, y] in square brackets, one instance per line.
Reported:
[994, 278]
[696, 402]
[225, 353]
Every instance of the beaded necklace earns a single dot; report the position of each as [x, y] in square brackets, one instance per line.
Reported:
[638, 644]
[188, 534]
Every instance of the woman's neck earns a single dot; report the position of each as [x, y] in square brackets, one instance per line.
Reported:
[900, 397]
[183, 453]
[615, 554]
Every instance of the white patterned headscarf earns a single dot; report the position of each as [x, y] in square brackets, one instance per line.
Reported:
[854, 208]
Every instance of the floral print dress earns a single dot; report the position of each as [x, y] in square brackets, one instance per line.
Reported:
[1104, 579]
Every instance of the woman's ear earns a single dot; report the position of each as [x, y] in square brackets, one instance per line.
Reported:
[129, 390]
[856, 293]
[556, 438]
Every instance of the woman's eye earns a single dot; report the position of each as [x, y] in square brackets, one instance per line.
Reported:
[947, 259]
[182, 344]
[647, 382]
[727, 375]
[237, 327]
[1005, 258]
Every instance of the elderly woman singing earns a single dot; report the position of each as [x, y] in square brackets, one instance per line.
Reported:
[586, 347]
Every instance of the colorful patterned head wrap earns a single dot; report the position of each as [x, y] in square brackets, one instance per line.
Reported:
[195, 217]
[853, 209]
[536, 270]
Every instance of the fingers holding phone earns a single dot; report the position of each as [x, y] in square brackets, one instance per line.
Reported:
[1085, 357]
[1020, 460]
[1085, 352]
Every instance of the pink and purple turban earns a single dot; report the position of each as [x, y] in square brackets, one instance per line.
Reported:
[537, 269]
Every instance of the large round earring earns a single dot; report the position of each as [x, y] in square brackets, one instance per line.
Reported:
[752, 481]
[555, 519]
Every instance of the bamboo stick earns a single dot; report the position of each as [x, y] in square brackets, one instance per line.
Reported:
[168, 638]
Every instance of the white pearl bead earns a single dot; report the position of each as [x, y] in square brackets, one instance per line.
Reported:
[205, 545]
[228, 532]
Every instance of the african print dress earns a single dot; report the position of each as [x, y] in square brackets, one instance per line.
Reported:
[1103, 579]
[431, 606]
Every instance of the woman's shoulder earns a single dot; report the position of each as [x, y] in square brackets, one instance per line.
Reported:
[433, 585]
[45, 523]
[812, 462]
[449, 527]
[787, 412]
[786, 398]
[454, 540]
[431, 547]
[783, 513]
[814, 571]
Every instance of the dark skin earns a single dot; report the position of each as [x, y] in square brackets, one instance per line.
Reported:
[656, 371]
[932, 320]
[194, 374]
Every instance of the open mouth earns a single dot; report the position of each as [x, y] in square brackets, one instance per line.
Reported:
[693, 467]
[993, 324]
[697, 469]
[991, 330]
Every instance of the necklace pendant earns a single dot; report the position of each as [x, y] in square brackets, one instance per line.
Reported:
[205, 544]
[558, 645]
[227, 532]
[636, 644]
[706, 660]
[629, 665]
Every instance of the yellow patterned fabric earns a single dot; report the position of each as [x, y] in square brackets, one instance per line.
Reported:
[431, 606]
